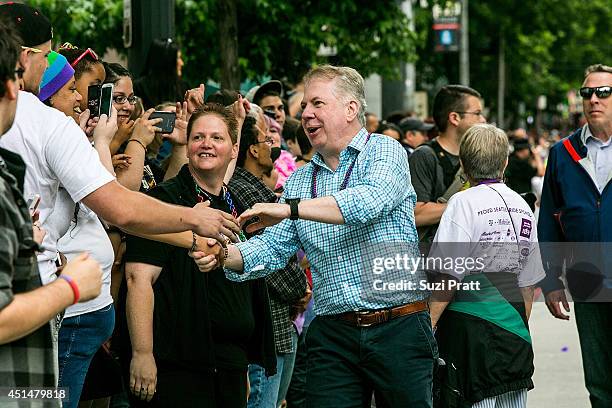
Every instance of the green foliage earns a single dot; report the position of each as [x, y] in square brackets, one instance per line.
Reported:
[549, 43]
[277, 38]
[85, 23]
[281, 38]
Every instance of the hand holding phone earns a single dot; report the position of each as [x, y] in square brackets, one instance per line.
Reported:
[106, 100]
[93, 100]
[33, 203]
[168, 120]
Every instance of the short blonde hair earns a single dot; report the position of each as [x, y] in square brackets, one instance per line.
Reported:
[483, 152]
[349, 83]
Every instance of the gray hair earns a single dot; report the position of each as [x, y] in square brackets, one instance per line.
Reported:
[349, 83]
[597, 68]
[483, 152]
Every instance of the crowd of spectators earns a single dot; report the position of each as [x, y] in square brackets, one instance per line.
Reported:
[136, 270]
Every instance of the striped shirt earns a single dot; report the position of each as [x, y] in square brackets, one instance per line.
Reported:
[378, 210]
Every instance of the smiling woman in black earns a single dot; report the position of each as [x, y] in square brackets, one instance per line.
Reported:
[193, 334]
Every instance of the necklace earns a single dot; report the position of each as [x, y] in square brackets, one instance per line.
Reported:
[203, 196]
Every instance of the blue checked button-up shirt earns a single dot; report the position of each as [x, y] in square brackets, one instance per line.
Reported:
[377, 206]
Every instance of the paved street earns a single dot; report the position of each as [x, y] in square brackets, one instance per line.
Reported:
[558, 378]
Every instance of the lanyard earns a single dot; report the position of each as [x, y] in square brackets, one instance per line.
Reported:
[489, 181]
[315, 171]
[228, 199]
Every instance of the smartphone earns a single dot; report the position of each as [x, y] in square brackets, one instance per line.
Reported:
[167, 123]
[106, 99]
[93, 100]
[33, 203]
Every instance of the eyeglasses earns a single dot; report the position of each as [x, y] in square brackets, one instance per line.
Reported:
[121, 99]
[89, 52]
[267, 140]
[477, 113]
[34, 50]
[602, 92]
[19, 72]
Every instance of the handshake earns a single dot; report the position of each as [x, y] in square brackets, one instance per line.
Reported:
[208, 253]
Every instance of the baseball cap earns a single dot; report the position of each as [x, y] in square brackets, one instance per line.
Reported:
[33, 27]
[256, 92]
[407, 124]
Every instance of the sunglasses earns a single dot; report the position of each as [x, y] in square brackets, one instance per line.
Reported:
[602, 92]
[32, 49]
[85, 53]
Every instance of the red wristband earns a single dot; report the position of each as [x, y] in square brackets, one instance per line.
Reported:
[73, 285]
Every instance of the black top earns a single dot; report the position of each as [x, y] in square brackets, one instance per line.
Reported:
[519, 174]
[202, 320]
[432, 170]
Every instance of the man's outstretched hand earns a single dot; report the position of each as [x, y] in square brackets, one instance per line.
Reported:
[266, 214]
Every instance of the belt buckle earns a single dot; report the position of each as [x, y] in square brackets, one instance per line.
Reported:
[359, 314]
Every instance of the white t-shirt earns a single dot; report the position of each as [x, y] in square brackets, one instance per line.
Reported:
[86, 235]
[55, 151]
[477, 224]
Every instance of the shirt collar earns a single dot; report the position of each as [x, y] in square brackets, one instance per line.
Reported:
[586, 135]
[358, 143]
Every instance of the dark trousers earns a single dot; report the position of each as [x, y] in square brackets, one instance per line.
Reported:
[296, 394]
[394, 360]
[594, 321]
[185, 389]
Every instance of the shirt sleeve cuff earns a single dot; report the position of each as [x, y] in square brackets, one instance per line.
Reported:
[248, 251]
[343, 200]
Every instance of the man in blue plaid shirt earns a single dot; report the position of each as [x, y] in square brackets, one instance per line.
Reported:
[354, 194]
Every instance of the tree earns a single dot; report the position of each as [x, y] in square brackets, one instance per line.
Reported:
[85, 23]
[547, 49]
[281, 38]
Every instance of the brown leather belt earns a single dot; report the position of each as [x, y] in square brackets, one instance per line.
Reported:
[371, 317]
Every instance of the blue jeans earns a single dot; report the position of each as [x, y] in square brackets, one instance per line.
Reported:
[269, 392]
[80, 337]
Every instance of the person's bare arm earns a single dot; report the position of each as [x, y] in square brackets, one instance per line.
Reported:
[321, 209]
[139, 307]
[528, 299]
[102, 136]
[428, 213]
[121, 136]
[29, 311]
[177, 159]
[142, 136]
[240, 108]
[538, 163]
[138, 213]
[439, 300]
[178, 138]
